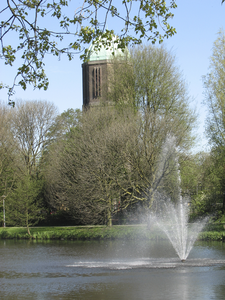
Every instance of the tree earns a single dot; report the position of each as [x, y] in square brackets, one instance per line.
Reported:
[214, 84]
[216, 179]
[30, 125]
[153, 158]
[77, 27]
[202, 180]
[155, 86]
[159, 84]
[24, 136]
[8, 153]
[119, 89]
[118, 154]
[150, 81]
[192, 173]
[23, 208]
[112, 161]
[84, 170]
[63, 124]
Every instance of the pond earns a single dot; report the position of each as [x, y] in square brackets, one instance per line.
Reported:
[99, 270]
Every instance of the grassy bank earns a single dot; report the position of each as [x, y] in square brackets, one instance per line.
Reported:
[78, 233]
[213, 232]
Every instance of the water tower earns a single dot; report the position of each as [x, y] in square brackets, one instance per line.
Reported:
[97, 71]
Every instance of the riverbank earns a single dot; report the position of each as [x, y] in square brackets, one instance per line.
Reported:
[213, 232]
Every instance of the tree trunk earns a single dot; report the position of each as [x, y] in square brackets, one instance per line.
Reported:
[28, 230]
[223, 208]
[109, 218]
[27, 219]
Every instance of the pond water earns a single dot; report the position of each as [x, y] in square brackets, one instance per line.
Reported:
[99, 270]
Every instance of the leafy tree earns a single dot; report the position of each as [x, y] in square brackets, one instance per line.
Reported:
[214, 83]
[208, 196]
[150, 80]
[23, 208]
[8, 154]
[64, 123]
[25, 133]
[218, 177]
[155, 86]
[120, 87]
[74, 27]
[193, 171]
[159, 84]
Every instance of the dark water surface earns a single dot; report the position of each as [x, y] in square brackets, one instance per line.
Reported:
[94, 270]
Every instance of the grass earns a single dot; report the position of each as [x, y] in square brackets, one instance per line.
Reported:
[213, 232]
[78, 232]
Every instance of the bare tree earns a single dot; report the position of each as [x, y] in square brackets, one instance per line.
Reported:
[88, 165]
[30, 125]
[110, 162]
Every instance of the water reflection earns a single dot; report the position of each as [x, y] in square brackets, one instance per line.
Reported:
[39, 270]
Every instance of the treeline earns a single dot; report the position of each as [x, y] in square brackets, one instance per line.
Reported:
[118, 159]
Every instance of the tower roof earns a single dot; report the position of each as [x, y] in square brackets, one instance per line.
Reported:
[105, 52]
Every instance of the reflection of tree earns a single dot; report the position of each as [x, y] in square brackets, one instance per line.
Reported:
[219, 290]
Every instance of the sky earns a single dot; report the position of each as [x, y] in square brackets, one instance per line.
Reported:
[197, 23]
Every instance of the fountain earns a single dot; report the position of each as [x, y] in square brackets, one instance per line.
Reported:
[173, 217]
[173, 221]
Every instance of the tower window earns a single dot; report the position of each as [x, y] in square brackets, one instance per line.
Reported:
[96, 82]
